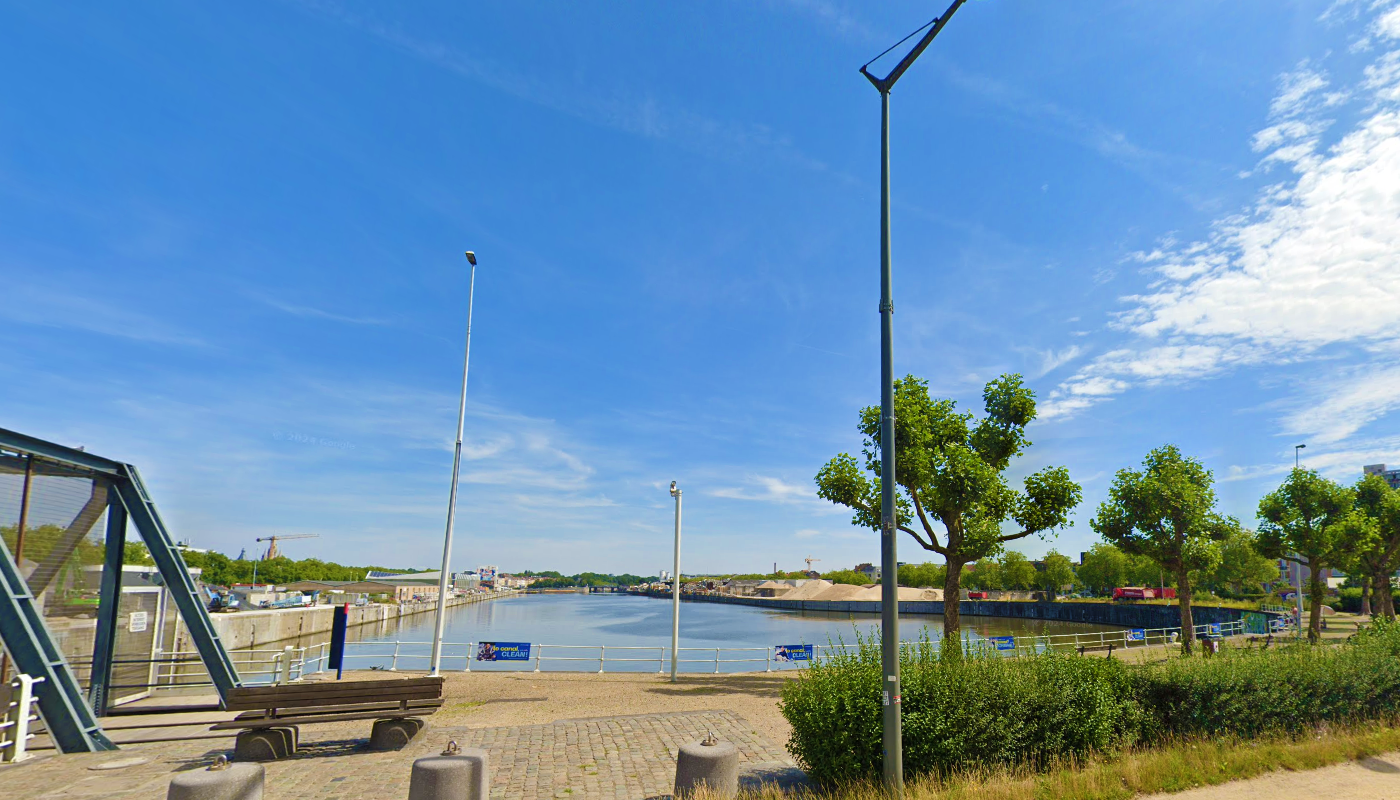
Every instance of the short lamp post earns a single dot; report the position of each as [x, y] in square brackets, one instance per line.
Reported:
[676, 587]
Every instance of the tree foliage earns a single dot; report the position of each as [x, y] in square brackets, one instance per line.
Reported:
[1371, 564]
[1166, 511]
[1311, 520]
[1057, 575]
[1016, 571]
[923, 576]
[953, 496]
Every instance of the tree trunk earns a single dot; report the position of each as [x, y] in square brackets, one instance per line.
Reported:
[1387, 597]
[1366, 596]
[1183, 602]
[952, 614]
[1317, 592]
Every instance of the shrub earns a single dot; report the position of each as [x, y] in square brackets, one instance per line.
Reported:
[956, 714]
[1292, 688]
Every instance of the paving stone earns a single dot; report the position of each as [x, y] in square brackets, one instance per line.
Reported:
[610, 759]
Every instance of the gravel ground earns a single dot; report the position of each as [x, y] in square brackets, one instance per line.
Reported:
[491, 699]
[1376, 778]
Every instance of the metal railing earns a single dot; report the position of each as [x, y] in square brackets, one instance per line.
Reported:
[399, 654]
[20, 709]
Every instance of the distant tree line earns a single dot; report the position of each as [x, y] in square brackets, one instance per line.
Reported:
[220, 570]
[556, 580]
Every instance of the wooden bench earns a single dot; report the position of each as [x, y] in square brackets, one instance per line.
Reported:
[268, 726]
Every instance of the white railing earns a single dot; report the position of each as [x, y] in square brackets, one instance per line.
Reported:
[19, 709]
[414, 655]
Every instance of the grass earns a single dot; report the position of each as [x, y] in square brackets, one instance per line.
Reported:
[1170, 768]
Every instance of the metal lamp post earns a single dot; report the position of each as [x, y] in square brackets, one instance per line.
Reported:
[1298, 584]
[1296, 448]
[889, 529]
[676, 587]
[445, 574]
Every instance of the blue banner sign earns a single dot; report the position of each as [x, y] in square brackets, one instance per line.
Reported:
[1215, 629]
[503, 651]
[794, 652]
[1137, 634]
[1003, 642]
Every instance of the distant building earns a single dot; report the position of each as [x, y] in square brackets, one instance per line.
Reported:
[1392, 476]
[869, 570]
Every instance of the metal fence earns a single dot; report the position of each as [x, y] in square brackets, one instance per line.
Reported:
[414, 655]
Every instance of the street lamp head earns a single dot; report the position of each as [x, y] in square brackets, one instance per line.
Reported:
[471, 258]
[1299, 446]
[674, 491]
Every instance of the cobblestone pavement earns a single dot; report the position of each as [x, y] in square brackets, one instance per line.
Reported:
[626, 758]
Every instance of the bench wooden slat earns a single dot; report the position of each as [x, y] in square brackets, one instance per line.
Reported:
[331, 687]
[342, 709]
[281, 721]
[337, 700]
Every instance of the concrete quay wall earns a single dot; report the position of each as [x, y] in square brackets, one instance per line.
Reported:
[248, 629]
[1124, 615]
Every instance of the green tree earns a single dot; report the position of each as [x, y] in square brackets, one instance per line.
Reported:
[1309, 520]
[951, 471]
[1017, 572]
[1242, 568]
[1105, 568]
[1166, 512]
[847, 576]
[1377, 556]
[983, 575]
[1058, 573]
[923, 576]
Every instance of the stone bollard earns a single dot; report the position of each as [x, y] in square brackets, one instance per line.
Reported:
[710, 762]
[457, 774]
[266, 744]
[222, 781]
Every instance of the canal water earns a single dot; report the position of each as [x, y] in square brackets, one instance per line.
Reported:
[577, 629]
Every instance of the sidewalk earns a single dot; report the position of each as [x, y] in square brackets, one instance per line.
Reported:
[1375, 778]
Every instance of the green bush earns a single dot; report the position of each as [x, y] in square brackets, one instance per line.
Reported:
[980, 710]
[1252, 692]
[987, 711]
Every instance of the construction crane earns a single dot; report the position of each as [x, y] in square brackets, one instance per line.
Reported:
[273, 552]
[809, 561]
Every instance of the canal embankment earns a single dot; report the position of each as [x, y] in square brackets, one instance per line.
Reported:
[254, 628]
[1122, 615]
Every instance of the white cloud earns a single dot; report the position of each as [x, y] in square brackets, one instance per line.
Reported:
[1051, 360]
[766, 489]
[1347, 405]
[1314, 264]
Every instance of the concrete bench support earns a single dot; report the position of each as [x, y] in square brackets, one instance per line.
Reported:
[712, 763]
[265, 744]
[223, 781]
[394, 734]
[455, 775]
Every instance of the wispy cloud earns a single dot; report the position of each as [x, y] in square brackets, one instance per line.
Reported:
[1314, 264]
[767, 489]
[30, 304]
[646, 116]
[311, 312]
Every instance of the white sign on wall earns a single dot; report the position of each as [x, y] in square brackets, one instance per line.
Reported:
[138, 622]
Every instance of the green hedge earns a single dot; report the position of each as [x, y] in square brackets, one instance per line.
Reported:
[990, 711]
[981, 710]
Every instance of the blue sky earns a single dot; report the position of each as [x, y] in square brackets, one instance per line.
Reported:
[231, 236]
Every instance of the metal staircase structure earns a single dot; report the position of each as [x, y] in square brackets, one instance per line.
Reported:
[68, 714]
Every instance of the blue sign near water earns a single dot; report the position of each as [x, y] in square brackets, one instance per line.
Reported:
[1137, 634]
[794, 652]
[503, 651]
[1003, 642]
[1215, 629]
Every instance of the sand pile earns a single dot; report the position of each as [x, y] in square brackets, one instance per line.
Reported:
[808, 590]
[905, 593]
[841, 591]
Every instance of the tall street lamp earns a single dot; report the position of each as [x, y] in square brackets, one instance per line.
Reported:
[446, 573]
[1296, 448]
[676, 586]
[889, 565]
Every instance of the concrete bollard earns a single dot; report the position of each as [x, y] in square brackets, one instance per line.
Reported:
[457, 774]
[222, 781]
[710, 763]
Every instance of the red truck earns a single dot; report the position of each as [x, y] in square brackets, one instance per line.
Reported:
[1143, 593]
